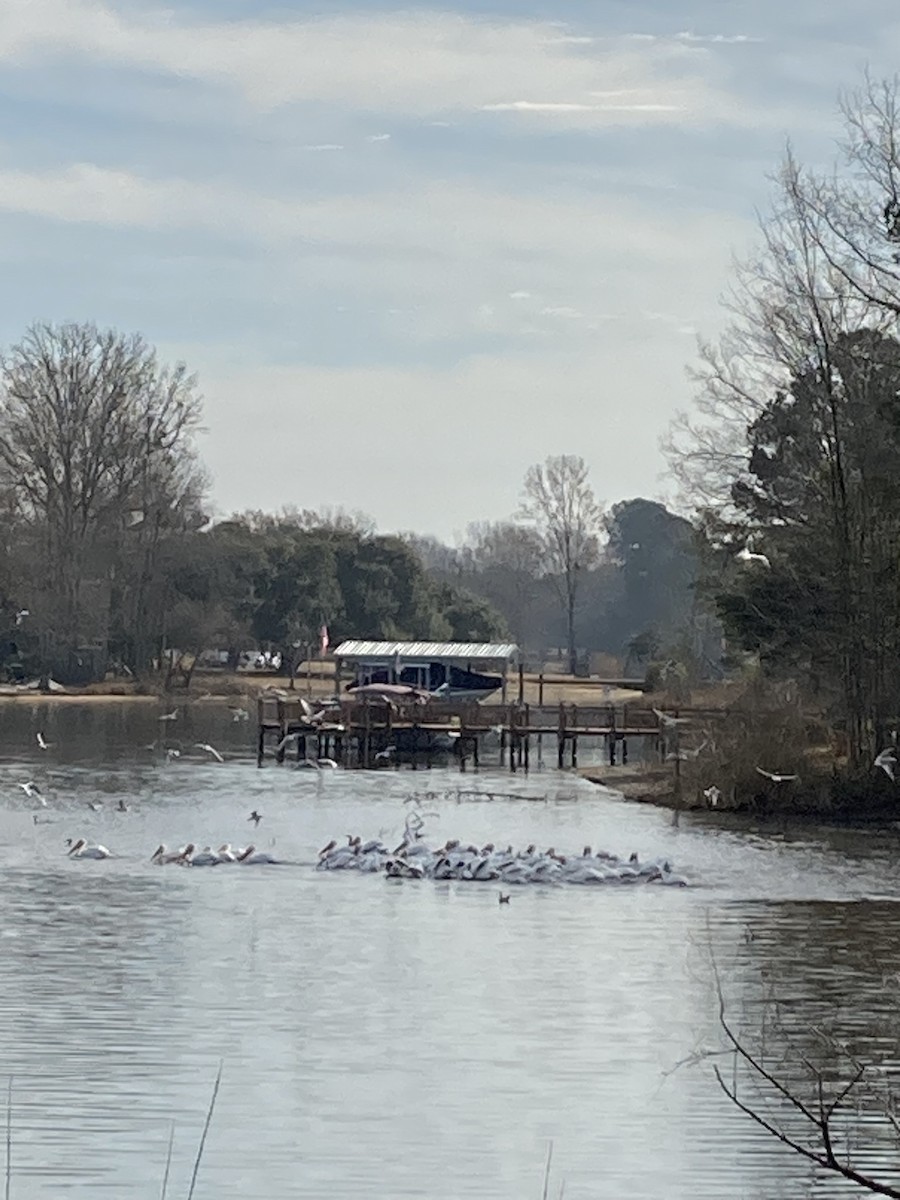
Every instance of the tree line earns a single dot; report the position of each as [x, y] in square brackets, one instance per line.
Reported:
[791, 458]
[108, 556]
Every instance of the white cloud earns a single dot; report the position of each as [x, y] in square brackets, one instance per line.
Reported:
[324, 146]
[416, 62]
[723, 39]
[378, 137]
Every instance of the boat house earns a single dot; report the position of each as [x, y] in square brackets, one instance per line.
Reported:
[451, 670]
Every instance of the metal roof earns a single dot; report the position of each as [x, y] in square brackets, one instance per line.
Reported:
[427, 651]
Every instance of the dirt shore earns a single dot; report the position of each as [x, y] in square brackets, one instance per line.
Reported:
[645, 784]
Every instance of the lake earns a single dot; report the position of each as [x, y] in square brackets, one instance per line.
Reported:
[384, 1040]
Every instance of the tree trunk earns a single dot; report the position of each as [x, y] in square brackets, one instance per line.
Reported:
[570, 628]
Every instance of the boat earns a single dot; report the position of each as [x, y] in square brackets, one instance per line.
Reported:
[443, 681]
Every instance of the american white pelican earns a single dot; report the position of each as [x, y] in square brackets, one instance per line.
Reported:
[251, 856]
[162, 854]
[206, 857]
[81, 849]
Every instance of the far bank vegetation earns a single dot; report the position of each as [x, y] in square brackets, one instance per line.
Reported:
[774, 594]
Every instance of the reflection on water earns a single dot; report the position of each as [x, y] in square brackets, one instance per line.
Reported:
[385, 1041]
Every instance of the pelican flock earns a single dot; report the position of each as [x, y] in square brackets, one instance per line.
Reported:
[414, 859]
[190, 856]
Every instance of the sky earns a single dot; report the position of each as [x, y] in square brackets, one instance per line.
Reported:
[410, 251]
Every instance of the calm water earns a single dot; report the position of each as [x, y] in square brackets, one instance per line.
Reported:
[393, 1041]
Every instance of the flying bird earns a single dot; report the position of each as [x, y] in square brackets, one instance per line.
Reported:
[747, 556]
[776, 778]
[239, 714]
[255, 817]
[42, 741]
[172, 716]
[503, 899]
[668, 719]
[209, 750]
[713, 796]
[686, 755]
[887, 760]
[33, 792]
[21, 615]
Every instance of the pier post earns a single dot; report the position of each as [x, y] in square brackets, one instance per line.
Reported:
[574, 750]
[475, 749]
[261, 745]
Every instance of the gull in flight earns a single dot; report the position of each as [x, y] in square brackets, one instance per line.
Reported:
[21, 615]
[668, 719]
[209, 750]
[33, 792]
[286, 741]
[42, 741]
[255, 817]
[775, 777]
[686, 755]
[747, 556]
[172, 716]
[713, 796]
[887, 760]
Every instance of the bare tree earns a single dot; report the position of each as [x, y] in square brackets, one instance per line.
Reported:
[93, 434]
[807, 1089]
[560, 501]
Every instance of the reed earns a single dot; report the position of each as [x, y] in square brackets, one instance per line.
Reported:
[165, 1183]
[207, 1123]
[8, 1138]
[546, 1191]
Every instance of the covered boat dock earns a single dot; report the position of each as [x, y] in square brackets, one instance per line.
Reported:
[451, 670]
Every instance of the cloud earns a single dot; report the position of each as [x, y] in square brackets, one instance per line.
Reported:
[722, 39]
[378, 137]
[424, 63]
[324, 146]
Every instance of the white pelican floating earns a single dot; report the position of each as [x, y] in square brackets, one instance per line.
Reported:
[81, 849]
[163, 855]
[252, 856]
[206, 857]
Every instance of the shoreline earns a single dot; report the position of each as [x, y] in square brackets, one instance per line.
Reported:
[653, 785]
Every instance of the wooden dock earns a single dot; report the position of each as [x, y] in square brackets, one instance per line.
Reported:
[360, 733]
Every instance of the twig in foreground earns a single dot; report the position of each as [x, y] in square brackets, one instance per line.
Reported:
[212, 1105]
[165, 1185]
